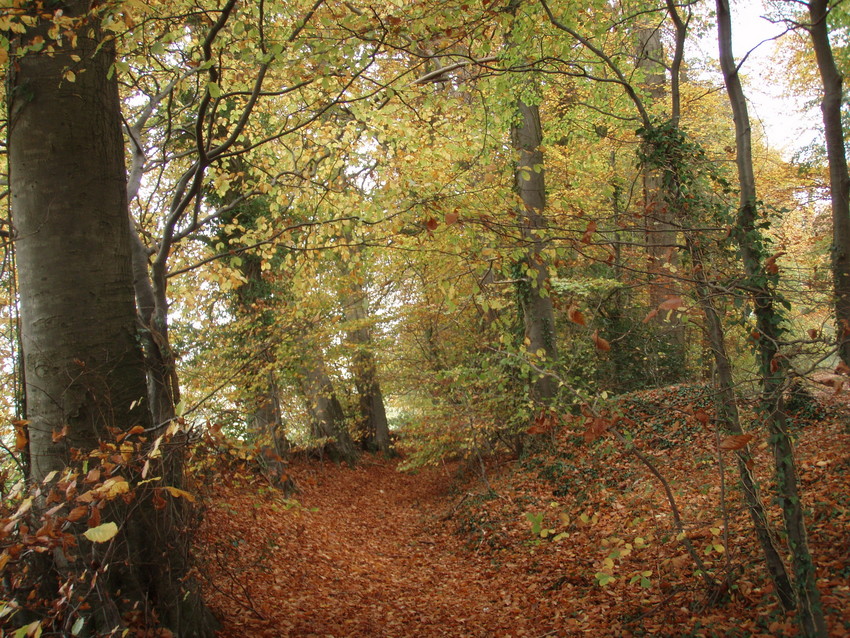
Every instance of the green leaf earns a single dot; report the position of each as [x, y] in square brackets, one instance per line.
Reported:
[33, 629]
[101, 533]
[78, 626]
[214, 89]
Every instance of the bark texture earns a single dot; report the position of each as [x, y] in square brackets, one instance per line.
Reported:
[84, 367]
[839, 179]
[328, 417]
[537, 312]
[661, 229]
[373, 415]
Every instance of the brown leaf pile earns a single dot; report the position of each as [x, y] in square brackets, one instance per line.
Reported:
[373, 552]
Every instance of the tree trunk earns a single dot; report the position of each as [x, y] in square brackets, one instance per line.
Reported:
[661, 231]
[536, 302]
[84, 369]
[839, 179]
[730, 420]
[372, 411]
[768, 323]
[326, 410]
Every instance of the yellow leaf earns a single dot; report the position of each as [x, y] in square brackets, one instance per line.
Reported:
[70, 76]
[112, 487]
[101, 533]
[24, 508]
[178, 493]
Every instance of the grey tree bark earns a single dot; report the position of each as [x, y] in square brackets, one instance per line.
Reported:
[536, 303]
[839, 179]
[373, 414]
[661, 229]
[84, 367]
[328, 417]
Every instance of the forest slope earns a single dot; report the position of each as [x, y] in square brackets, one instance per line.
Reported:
[577, 541]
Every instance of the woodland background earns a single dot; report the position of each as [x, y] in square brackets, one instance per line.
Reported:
[520, 282]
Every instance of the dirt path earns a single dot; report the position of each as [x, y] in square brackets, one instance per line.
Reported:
[362, 554]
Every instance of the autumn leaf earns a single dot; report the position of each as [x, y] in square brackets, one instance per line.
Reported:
[451, 218]
[650, 315]
[842, 368]
[588, 233]
[736, 442]
[701, 416]
[599, 342]
[21, 435]
[596, 428]
[574, 315]
[770, 264]
[176, 493]
[101, 533]
[672, 303]
[431, 224]
[77, 513]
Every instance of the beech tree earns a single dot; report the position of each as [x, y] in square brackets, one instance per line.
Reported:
[839, 178]
[84, 369]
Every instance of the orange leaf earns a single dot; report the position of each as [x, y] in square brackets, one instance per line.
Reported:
[94, 519]
[588, 233]
[671, 304]
[158, 502]
[597, 428]
[770, 263]
[814, 333]
[431, 224]
[650, 315]
[599, 342]
[451, 218]
[575, 315]
[21, 435]
[701, 416]
[842, 368]
[736, 441]
[77, 513]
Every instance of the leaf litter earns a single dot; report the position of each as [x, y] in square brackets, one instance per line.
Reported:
[574, 541]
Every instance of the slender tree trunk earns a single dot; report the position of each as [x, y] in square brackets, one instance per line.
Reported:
[730, 420]
[768, 322]
[839, 179]
[84, 369]
[537, 312]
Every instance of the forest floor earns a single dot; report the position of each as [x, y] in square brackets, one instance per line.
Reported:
[577, 541]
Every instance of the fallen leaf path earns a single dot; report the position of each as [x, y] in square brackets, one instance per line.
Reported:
[361, 552]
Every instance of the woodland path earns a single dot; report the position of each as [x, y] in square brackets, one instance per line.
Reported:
[364, 552]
